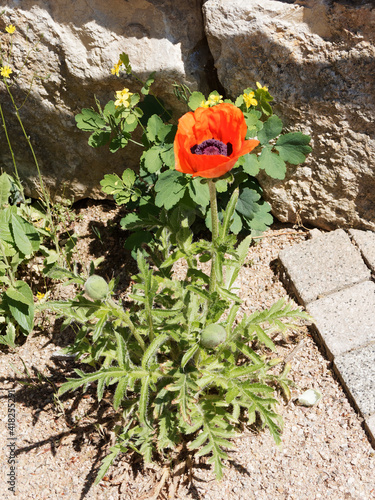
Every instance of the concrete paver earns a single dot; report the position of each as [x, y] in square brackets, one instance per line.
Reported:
[346, 319]
[365, 240]
[330, 275]
[323, 265]
[357, 371]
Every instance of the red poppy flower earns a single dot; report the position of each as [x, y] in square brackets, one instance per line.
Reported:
[209, 141]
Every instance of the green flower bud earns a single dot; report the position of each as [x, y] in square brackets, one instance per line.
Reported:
[213, 335]
[96, 287]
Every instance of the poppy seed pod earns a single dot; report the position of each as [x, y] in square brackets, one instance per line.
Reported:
[96, 287]
[213, 335]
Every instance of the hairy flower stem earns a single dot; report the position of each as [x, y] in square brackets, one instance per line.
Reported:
[119, 312]
[214, 231]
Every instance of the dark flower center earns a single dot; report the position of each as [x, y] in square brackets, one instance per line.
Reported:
[212, 147]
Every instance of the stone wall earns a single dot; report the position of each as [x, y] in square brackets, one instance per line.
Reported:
[316, 57]
[80, 43]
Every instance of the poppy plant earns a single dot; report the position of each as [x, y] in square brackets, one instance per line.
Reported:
[209, 141]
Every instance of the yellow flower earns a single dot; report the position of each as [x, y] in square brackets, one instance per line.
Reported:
[123, 98]
[10, 29]
[214, 99]
[249, 99]
[204, 104]
[116, 68]
[5, 71]
[262, 88]
[40, 295]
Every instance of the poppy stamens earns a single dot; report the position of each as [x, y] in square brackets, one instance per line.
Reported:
[212, 147]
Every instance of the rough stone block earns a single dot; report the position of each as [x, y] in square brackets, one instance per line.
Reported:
[365, 240]
[357, 372]
[345, 320]
[323, 265]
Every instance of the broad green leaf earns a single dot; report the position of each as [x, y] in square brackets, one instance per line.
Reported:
[89, 120]
[128, 177]
[293, 147]
[272, 163]
[99, 138]
[167, 156]
[20, 302]
[195, 101]
[247, 202]
[151, 159]
[10, 337]
[250, 164]
[271, 129]
[154, 124]
[199, 192]
[169, 189]
[26, 237]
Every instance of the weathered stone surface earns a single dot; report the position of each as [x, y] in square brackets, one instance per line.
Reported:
[323, 265]
[357, 371]
[317, 57]
[80, 43]
[345, 320]
[365, 240]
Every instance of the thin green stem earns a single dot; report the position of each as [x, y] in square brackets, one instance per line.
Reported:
[44, 192]
[10, 149]
[214, 231]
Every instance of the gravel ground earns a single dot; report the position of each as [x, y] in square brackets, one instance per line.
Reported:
[59, 444]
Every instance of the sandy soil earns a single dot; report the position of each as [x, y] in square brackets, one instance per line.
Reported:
[59, 444]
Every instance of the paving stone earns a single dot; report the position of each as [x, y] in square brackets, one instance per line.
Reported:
[370, 427]
[357, 372]
[345, 320]
[365, 240]
[323, 265]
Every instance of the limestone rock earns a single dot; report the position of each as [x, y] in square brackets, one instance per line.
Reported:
[79, 43]
[317, 57]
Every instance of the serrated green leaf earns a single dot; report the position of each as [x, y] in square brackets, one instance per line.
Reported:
[128, 177]
[195, 100]
[199, 192]
[250, 164]
[151, 159]
[293, 147]
[272, 163]
[89, 120]
[247, 202]
[170, 188]
[99, 138]
[154, 124]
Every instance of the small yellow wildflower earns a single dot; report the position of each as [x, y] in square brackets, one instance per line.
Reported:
[123, 98]
[40, 295]
[10, 29]
[262, 88]
[5, 71]
[116, 68]
[214, 99]
[204, 104]
[249, 99]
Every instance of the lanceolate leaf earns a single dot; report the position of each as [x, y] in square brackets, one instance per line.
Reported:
[20, 302]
